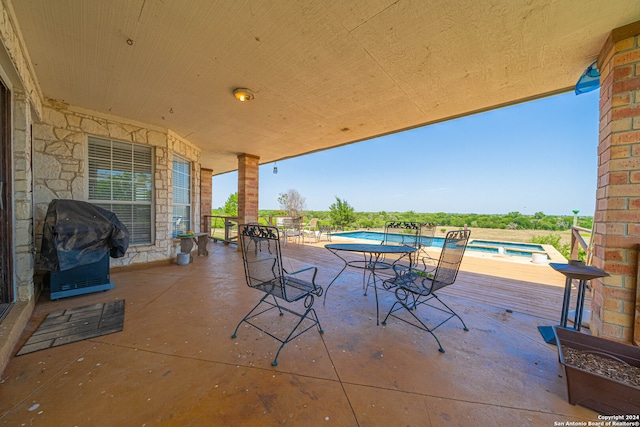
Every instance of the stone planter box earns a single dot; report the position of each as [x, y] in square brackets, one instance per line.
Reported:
[597, 392]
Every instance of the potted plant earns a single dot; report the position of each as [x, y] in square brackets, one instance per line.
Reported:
[602, 375]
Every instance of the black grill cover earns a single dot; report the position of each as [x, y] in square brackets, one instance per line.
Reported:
[78, 233]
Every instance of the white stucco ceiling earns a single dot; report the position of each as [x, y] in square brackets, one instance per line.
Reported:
[325, 73]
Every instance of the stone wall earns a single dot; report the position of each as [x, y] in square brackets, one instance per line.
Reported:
[23, 198]
[60, 168]
[26, 106]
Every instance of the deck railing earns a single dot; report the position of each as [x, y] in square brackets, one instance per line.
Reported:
[578, 242]
[223, 228]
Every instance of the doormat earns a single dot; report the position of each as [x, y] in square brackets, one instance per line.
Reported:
[76, 324]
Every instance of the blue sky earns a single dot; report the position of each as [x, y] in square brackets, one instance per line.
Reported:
[531, 157]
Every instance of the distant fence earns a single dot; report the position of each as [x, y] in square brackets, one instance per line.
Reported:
[223, 228]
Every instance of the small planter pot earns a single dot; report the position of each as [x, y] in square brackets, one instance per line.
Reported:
[183, 258]
[597, 392]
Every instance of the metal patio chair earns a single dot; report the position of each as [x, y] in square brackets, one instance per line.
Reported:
[311, 229]
[326, 231]
[283, 291]
[292, 229]
[422, 241]
[415, 288]
[427, 232]
[401, 233]
[398, 233]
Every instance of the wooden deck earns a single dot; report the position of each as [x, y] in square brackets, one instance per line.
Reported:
[536, 290]
[522, 287]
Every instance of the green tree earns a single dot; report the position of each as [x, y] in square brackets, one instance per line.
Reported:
[341, 213]
[563, 248]
[230, 207]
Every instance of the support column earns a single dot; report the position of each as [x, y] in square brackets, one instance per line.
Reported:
[206, 199]
[615, 312]
[248, 188]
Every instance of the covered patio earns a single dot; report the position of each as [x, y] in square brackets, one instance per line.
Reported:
[143, 90]
[175, 363]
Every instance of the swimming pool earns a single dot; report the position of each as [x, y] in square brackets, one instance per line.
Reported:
[487, 246]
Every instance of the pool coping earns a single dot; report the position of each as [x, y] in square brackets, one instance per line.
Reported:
[552, 252]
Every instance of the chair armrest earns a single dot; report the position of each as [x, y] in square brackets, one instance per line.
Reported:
[414, 280]
[399, 274]
[401, 269]
[428, 262]
[405, 273]
[316, 289]
[313, 278]
[304, 269]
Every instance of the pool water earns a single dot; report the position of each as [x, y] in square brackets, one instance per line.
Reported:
[487, 246]
[508, 245]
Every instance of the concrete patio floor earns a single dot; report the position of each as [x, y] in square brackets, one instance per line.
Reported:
[175, 363]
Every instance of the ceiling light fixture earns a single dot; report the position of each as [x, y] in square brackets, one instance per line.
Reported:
[275, 168]
[243, 94]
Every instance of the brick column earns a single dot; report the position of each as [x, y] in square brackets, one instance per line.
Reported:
[248, 188]
[615, 309]
[206, 199]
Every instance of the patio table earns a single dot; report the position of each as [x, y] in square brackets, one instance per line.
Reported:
[368, 264]
[187, 241]
[571, 272]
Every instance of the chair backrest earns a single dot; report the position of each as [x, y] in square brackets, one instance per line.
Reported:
[291, 222]
[448, 266]
[292, 226]
[262, 258]
[402, 233]
[427, 231]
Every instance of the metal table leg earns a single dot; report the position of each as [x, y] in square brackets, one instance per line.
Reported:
[344, 267]
[582, 288]
[565, 302]
[582, 273]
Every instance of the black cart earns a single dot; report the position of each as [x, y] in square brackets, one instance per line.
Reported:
[78, 239]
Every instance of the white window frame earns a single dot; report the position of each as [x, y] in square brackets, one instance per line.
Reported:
[125, 200]
[179, 179]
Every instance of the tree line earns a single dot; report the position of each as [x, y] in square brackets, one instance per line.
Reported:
[341, 215]
[510, 221]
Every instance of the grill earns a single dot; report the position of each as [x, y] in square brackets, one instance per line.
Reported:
[79, 280]
[78, 239]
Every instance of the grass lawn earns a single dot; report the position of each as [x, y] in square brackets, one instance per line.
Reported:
[521, 236]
